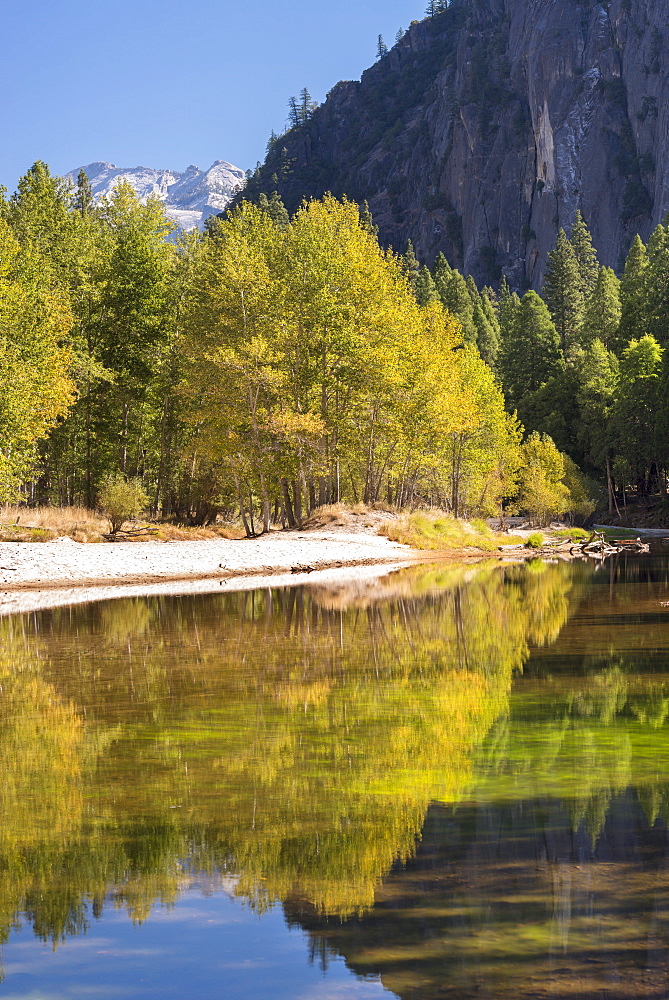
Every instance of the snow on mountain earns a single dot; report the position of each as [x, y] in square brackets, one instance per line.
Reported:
[190, 197]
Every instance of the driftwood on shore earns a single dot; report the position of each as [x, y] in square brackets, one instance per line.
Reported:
[120, 535]
[595, 547]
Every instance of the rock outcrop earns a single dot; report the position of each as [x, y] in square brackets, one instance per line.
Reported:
[488, 125]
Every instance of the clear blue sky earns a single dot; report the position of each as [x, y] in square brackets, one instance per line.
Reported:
[166, 84]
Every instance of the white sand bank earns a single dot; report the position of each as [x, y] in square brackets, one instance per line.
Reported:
[19, 601]
[68, 563]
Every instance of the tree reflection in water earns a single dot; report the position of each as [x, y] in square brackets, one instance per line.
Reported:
[295, 740]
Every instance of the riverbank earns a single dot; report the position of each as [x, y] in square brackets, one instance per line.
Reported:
[65, 562]
[340, 545]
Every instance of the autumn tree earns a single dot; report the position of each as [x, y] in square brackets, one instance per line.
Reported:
[543, 493]
[35, 362]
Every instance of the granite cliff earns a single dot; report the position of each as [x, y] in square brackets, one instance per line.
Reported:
[486, 126]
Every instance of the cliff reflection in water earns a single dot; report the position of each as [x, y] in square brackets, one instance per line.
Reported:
[293, 739]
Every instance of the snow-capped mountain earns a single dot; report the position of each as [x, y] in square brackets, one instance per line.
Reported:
[190, 197]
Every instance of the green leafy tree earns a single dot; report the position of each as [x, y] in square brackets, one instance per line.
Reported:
[634, 414]
[35, 362]
[121, 499]
[598, 372]
[543, 494]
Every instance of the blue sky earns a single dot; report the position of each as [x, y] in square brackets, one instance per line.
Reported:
[166, 84]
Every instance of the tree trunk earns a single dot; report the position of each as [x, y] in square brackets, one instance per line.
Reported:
[287, 505]
[242, 511]
[609, 484]
[297, 494]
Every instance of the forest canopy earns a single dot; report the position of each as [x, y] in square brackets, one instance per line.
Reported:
[273, 364]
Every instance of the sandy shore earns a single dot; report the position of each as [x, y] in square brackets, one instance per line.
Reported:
[35, 576]
[21, 600]
[68, 563]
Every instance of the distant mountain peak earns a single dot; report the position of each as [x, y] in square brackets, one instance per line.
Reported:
[190, 196]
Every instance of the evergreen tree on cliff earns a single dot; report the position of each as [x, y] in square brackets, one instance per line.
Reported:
[531, 352]
[563, 293]
[586, 256]
[657, 286]
[633, 296]
[455, 296]
[602, 312]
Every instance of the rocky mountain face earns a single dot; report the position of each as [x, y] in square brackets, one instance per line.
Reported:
[190, 197]
[486, 127]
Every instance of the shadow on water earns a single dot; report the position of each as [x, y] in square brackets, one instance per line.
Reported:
[455, 778]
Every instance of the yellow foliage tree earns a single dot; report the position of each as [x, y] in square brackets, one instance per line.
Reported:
[35, 385]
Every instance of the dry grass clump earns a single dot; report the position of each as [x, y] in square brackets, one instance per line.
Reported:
[439, 530]
[181, 533]
[44, 524]
[333, 513]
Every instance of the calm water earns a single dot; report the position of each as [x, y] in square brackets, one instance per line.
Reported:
[452, 783]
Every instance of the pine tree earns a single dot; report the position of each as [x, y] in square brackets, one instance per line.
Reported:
[633, 298]
[487, 339]
[598, 377]
[293, 112]
[424, 287]
[586, 255]
[657, 286]
[562, 291]
[83, 201]
[366, 220]
[307, 106]
[473, 290]
[399, 36]
[602, 312]
[455, 297]
[411, 266]
[488, 331]
[381, 48]
[531, 350]
[274, 207]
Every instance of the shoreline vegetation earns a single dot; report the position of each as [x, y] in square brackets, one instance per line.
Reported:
[338, 540]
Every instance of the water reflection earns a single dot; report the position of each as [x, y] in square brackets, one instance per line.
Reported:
[452, 778]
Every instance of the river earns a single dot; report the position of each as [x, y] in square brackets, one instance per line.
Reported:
[450, 782]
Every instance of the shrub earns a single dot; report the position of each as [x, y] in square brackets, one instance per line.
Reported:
[121, 498]
[535, 540]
